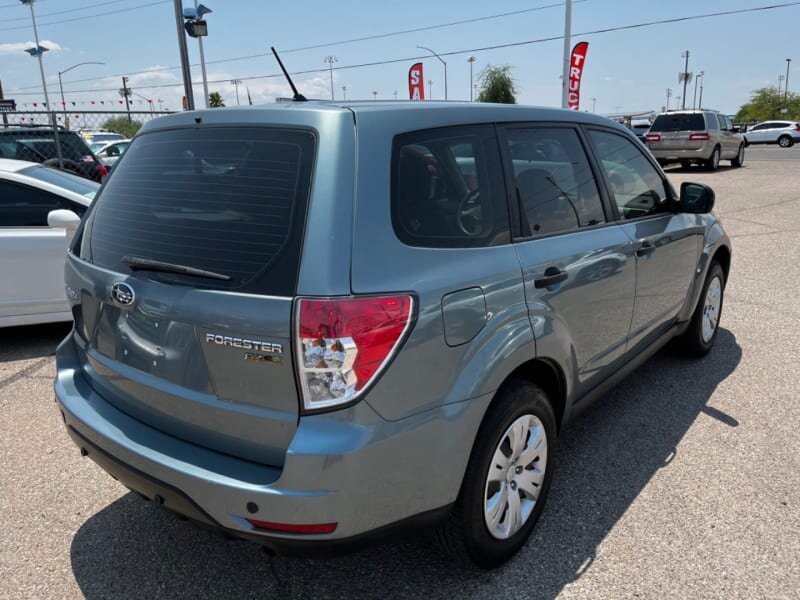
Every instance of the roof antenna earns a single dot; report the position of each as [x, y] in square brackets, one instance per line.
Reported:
[297, 95]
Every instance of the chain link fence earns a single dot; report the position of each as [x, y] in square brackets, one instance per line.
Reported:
[70, 140]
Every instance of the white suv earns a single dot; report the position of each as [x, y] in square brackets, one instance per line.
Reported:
[783, 133]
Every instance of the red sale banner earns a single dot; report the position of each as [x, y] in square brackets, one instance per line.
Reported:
[416, 82]
[576, 65]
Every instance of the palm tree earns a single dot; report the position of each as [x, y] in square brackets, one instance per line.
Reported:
[215, 100]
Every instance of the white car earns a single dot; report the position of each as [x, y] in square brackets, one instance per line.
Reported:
[108, 153]
[31, 251]
[783, 133]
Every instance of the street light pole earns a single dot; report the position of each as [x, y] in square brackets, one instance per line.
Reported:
[780, 83]
[344, 92]
[443, 62]
[187, 74]
[236, 83]
[594, 104]
[39, 52]
[61, 86]
[694, 100]
[786, 89]
[330, 59]
[567, 52]
[700, 100]
[471, 60]
[669, 95]
[430, 89]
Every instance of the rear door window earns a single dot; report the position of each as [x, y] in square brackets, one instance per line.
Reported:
[230, 200]
[678, 122]
[448, 190]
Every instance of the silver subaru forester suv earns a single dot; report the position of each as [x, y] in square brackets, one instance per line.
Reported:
[313, 325]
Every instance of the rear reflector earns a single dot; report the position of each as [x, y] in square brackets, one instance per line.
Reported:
[696, 137]
[309, 528]
[343, 343]
[652, 137]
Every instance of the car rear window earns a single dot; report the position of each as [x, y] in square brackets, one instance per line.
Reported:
[679, 122]
[71, 182]
[229, 200]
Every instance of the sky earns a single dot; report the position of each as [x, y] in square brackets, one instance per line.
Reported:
[626, 71]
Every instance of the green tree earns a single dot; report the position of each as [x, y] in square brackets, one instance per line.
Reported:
[215, 100]
[766, 103]
[497, 85]
[121, 126]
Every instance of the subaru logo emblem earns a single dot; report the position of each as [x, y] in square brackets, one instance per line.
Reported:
[122, 294]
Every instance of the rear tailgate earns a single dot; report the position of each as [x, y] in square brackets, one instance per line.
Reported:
[204, 358]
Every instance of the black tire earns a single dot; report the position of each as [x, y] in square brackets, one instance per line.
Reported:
[713, 162]
[785, 141]
[465, 535]
[739, 160]
[691, 341]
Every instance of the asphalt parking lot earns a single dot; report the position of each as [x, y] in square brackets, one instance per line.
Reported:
[681, 482]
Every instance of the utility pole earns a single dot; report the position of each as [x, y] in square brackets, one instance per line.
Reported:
[669, 95]
[430, 89]
[471, 60]
[786, 89]
[236, 83]
[567, 52]
[126, 93]
[330, 59]
[5, 116]
[187, 74]
[685, 76]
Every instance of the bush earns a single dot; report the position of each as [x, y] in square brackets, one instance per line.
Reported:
[121, 126]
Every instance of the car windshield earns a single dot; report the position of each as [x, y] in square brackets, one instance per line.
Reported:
[73, 183]
[679, 122]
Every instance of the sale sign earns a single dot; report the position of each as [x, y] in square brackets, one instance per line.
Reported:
[576, 65]
[416, 82]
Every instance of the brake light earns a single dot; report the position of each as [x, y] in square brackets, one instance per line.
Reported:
[797, 127]
[343, 343]
[696, 137]
[652, 137]
[309, 528]
[102, 169]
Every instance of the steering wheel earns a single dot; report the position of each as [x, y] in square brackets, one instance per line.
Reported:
[469, 214]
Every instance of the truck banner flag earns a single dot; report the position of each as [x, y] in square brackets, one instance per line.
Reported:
[577, 62]
[416, 82]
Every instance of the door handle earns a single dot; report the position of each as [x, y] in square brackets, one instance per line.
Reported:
[646, 249]
[552, 276]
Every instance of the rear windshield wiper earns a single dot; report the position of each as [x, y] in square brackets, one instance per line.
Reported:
[145, 264]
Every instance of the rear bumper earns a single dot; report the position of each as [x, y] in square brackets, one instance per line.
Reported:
[372, 477]
[677, 154]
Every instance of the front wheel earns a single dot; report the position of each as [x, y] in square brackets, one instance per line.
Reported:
[507, 479]
[785, 141]
[698, 339]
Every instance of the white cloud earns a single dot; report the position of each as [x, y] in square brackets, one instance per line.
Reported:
[20, 47]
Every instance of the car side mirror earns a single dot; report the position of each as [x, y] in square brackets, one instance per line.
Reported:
[696, 198]
[63, 219]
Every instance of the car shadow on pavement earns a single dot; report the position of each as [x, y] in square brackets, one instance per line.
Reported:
[606, 458]
[31, 341]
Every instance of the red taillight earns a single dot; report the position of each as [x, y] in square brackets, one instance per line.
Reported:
[797, 127]
[652, 137]
[697, 137]
[344, 342]
[103, 171]
[309, 528]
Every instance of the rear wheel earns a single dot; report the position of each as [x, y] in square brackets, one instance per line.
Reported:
[713, 163]
[785, 141]
[507, 479]
[739, 160]
[698, 339]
